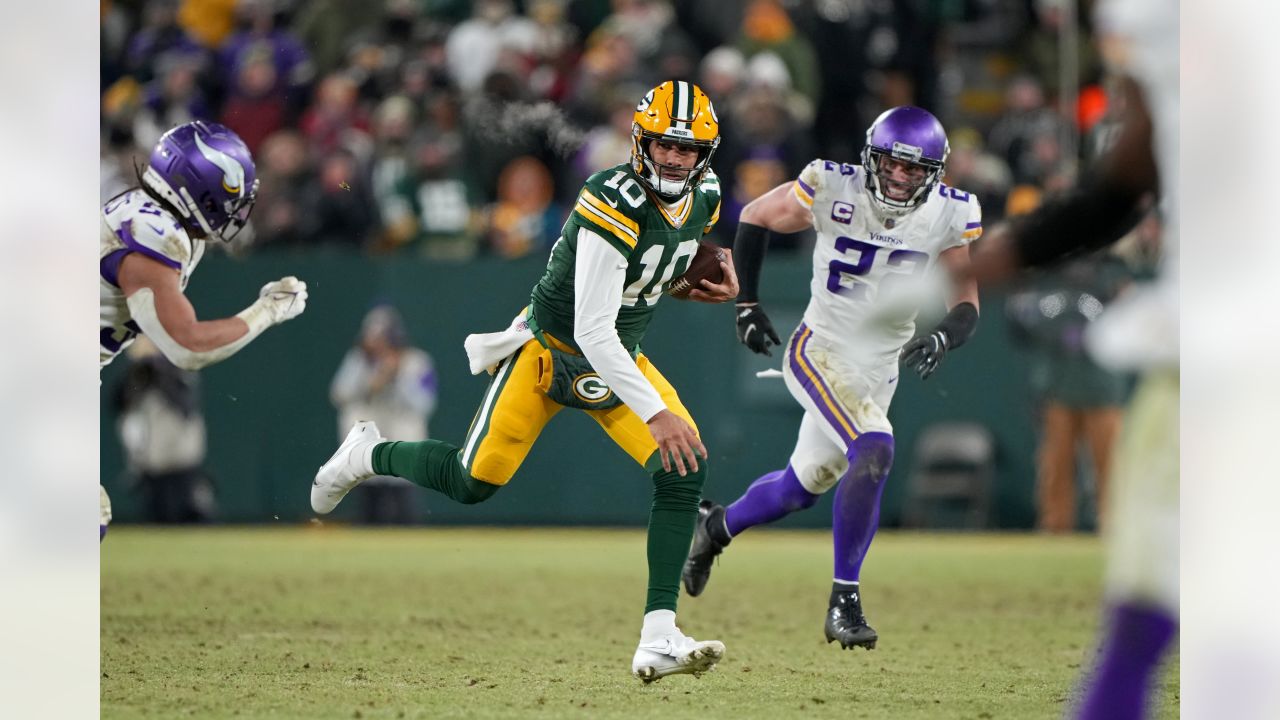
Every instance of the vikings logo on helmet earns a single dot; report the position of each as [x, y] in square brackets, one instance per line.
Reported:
[232, 171]
[680, 113]
[203, 171]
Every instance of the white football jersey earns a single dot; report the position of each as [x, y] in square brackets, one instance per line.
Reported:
[133, 222]
[869, 279]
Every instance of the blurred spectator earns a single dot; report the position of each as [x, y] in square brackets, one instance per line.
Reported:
[1040, 51]
[476, 45]
[1027, 134]
[172, 99]
[766, 27]
[768, 147]
[263, 33]
[1080, 401]
[113, 37]
[422, 184]
[340, 206]
[281, 216]
[208, 21]
[160, 34]
[972, 169]
[608, 144]
[330, 28]
[721, 73]
[662, 49]
[335, 121]
[385, 380]
[161, 426]
[254, 108]
[523, 219]
[115, 168]
[555, 52]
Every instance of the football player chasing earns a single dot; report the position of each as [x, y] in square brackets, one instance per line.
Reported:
[634, 229]
[882, 229]
[199, 185]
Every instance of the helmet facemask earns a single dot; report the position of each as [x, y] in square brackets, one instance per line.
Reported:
[878, 177]
[650, 170]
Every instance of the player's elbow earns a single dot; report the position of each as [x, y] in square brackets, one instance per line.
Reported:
[754, 212]
[187, 360]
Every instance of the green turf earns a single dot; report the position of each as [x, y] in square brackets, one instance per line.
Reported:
[514, 623]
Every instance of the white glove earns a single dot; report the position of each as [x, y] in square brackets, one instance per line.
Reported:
[284, 299]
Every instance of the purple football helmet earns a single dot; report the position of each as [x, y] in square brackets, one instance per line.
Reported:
[204, 171]
[911, 135]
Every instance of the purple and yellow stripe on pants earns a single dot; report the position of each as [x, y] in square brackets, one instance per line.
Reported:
[817, 388]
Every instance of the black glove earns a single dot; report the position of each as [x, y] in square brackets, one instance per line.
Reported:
[924, 354]
[754, 329]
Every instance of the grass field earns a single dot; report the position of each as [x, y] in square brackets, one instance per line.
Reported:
[513, 623]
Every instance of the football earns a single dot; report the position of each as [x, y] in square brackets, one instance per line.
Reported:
[705, 265]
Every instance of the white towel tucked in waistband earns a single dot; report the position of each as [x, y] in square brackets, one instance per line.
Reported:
[486, 350]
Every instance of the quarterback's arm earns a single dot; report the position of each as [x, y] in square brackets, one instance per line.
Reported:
[166, 316]
[600, 273]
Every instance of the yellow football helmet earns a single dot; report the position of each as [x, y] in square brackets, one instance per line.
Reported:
[679, 113]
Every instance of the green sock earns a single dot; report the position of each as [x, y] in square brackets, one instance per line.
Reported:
[431, 464]
[671, 523]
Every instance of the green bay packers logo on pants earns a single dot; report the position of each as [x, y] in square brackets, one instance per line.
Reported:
[591, 389]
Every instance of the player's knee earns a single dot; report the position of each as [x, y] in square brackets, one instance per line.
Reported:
[671, 490]
[476, 491]
[871, 456]
[821, 473]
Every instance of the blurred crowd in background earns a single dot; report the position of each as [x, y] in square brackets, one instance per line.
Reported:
[456, 128]
[446, 130]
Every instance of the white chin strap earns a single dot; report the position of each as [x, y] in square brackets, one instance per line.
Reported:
[664, 186]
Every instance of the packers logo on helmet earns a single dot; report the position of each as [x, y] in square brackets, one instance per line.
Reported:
[679, 113]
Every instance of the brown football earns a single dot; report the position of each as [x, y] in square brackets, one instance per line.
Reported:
[705, 265]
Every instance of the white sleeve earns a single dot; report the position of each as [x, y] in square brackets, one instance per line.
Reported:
[142, 306]
[599, 274]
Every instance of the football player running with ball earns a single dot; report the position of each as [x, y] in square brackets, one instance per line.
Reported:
[882, 228]
[199, 185]
[634, 229]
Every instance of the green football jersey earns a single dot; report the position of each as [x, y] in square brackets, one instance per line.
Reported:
[657, 241]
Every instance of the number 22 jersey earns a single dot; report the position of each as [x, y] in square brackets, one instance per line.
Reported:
[870, 276]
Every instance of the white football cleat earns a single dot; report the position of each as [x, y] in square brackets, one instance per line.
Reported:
[351, 465]
[674, 654]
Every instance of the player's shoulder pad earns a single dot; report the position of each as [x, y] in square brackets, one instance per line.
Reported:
[820, 174]
[710, 183]
[611, 202]
[965, 211]
[147, 228]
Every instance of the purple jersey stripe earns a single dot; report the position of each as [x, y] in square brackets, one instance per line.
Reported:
[810, 381]
[973, 225]
[808, 190]
[109, 267]
[125, 233]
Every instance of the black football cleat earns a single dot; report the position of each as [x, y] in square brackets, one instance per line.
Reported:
[845, 621]
[709, 540]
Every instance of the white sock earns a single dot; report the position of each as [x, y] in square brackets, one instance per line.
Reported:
[658, 623]
[363, 457]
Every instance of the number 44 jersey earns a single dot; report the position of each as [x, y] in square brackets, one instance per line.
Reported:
[134, 223]
[655, 240]
[871, 274]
